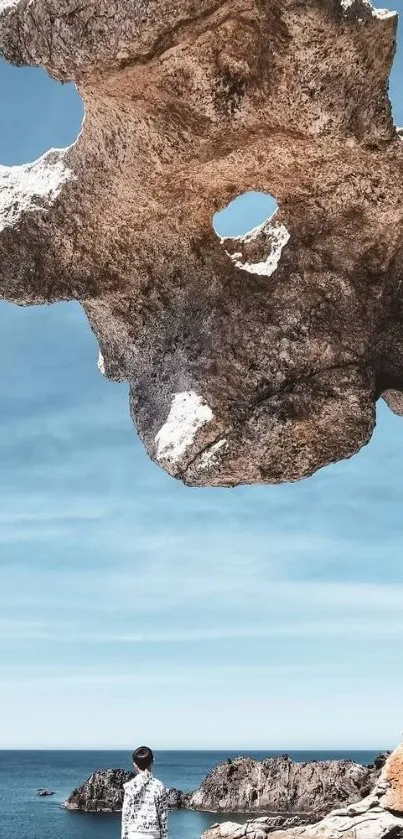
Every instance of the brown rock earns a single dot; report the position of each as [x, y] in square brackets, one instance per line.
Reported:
[378, 816]
[280, 787]
[393, 775]
[241, 371]
[103, 792]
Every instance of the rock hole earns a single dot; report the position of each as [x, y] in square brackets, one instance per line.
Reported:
[252, 234]
[37, 112]
[243, 214]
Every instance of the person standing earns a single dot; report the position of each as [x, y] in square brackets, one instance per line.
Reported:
[144, 814]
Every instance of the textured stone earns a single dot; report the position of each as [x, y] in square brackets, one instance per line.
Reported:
[255, 361]
[280, 787]
[103, 793]
[370, 825]
[370, 818]
[393, 776]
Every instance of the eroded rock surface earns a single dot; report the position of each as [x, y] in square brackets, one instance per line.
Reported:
[103, 792]
[287, 792]
[369, 818]
[393, 776]
[280, 787]
[254, 361]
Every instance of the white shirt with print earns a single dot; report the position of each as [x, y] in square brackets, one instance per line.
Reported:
[144, 808]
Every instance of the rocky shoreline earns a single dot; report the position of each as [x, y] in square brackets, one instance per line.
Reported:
[289, 794]
[378, 816]
[281, 787]
[316, 800]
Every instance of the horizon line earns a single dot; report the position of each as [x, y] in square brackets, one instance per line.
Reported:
[281, 750]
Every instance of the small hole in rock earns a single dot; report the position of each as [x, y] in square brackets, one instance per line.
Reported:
[38, 114]
[243, 214]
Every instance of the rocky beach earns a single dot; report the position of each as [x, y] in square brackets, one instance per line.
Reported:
[378, 816]
[296, 800]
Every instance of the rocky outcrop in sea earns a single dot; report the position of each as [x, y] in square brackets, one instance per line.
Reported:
[288, 793]
[378, 816]
[103, 792]
[280, 786]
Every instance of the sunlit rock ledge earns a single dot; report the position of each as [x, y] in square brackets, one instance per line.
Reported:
[255, 360]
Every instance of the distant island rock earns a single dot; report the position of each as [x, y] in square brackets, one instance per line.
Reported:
[288, 793]
[103, 792]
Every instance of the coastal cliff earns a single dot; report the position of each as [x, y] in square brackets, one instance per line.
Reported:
[378, 816]
[281, 786]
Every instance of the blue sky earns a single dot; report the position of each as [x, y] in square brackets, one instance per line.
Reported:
[135, 609]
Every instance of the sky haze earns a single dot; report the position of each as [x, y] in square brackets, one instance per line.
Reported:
[135, 609]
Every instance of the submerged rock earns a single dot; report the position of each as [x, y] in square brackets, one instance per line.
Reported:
[279, 786]
[103, 793]
[258, 360]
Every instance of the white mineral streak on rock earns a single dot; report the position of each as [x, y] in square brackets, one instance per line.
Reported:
[211, 457]
[8, 4]
[34, 186]
[187, 415]
[277, 235]
[259, 785]
[101, 364]
[381, 14]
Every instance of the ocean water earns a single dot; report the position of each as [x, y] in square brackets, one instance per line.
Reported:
[24, 816]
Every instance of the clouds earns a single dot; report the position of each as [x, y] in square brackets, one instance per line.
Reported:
[119, 584]
[258, 617]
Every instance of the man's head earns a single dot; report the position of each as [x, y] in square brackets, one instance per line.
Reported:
[143, 758]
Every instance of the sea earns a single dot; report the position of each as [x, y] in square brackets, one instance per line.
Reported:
[25, 816]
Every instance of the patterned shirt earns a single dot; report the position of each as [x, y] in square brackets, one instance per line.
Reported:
[144, 807]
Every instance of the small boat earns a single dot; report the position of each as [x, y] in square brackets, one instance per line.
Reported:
[44, 793]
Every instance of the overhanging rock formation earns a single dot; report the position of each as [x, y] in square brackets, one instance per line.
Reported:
[251, 361]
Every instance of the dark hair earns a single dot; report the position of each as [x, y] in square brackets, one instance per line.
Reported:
[143, 757]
